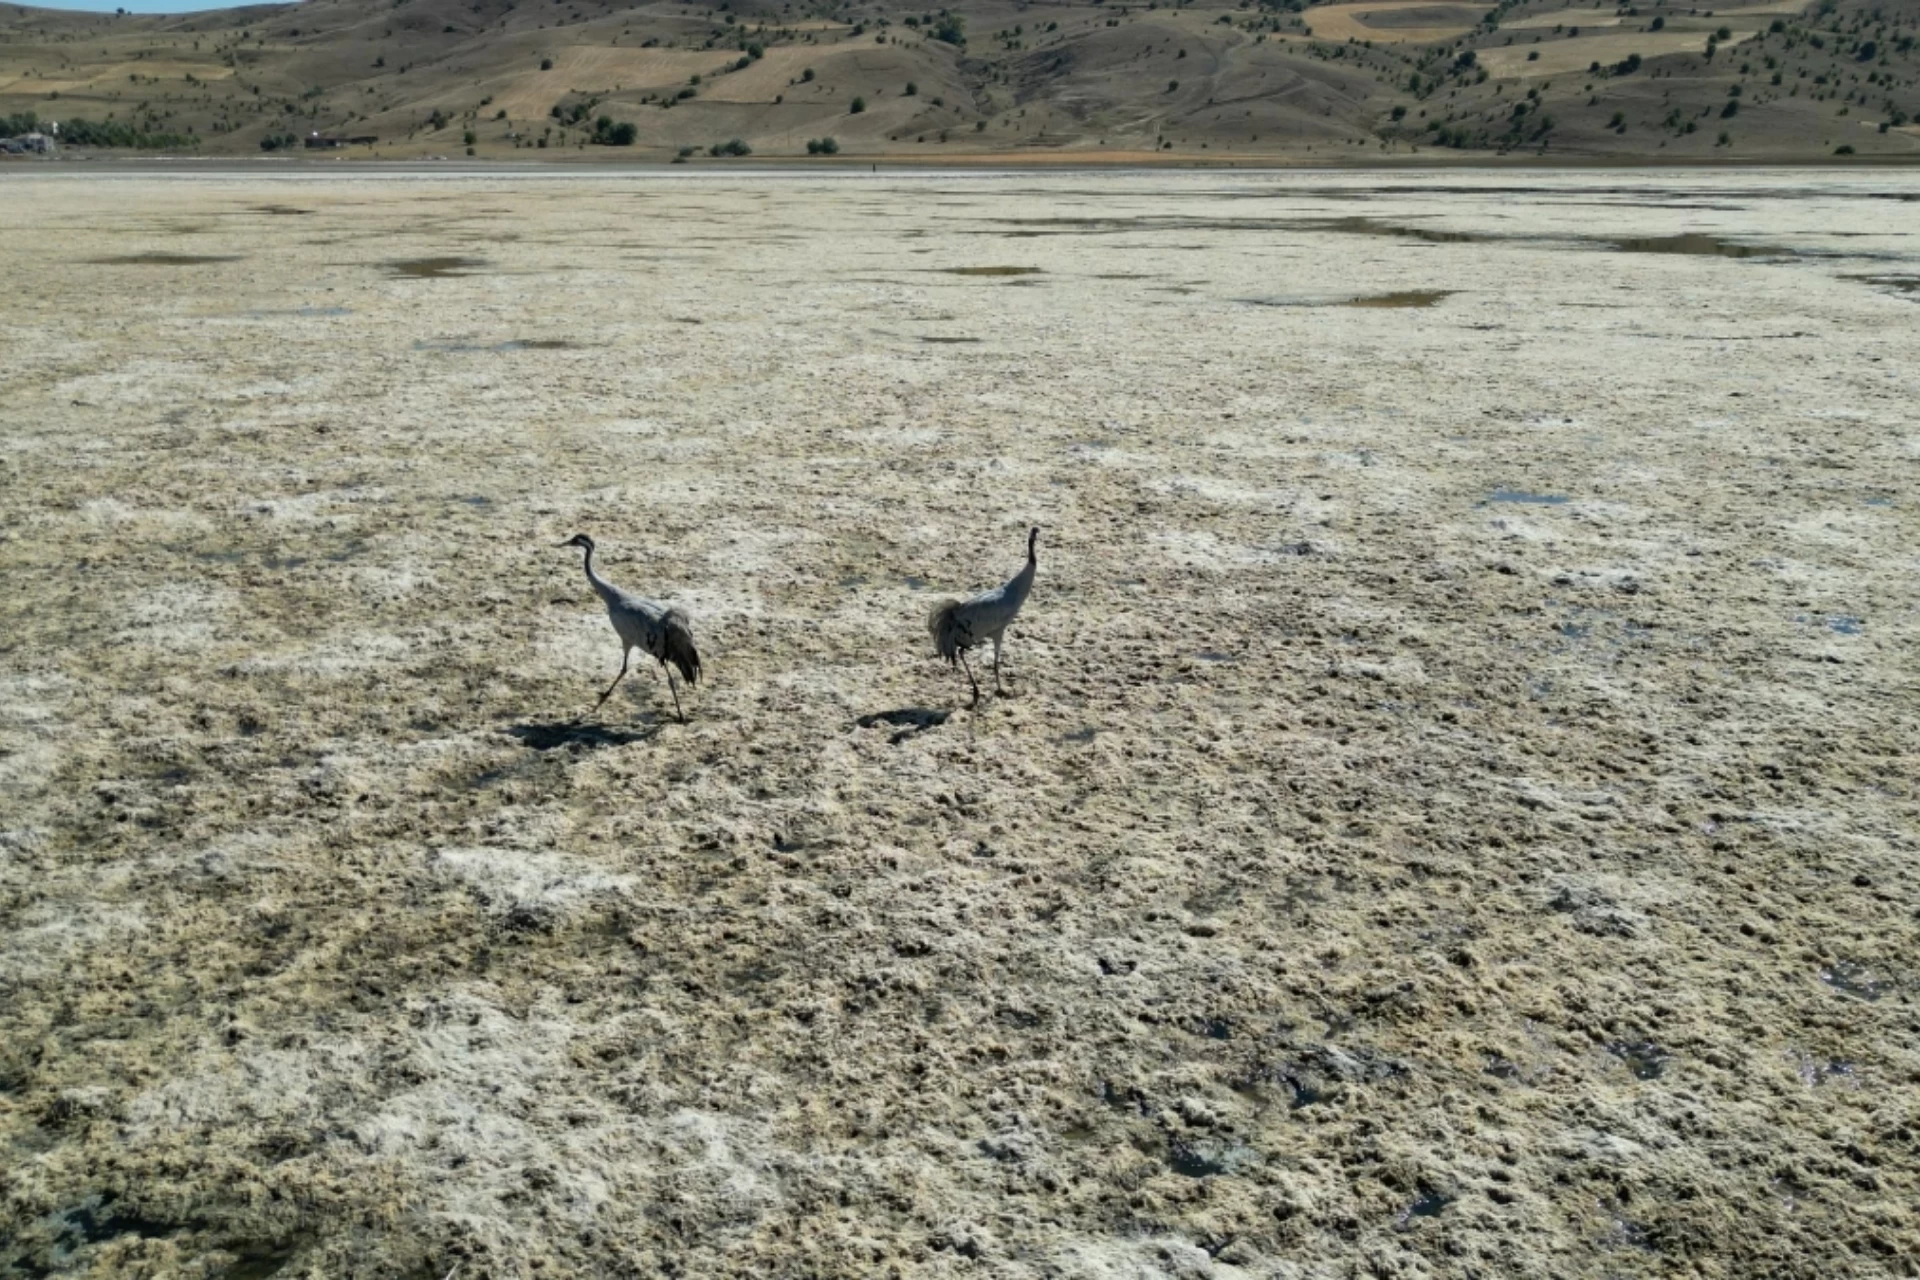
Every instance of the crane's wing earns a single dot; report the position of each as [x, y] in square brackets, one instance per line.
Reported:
[680, 652]
[950, 630]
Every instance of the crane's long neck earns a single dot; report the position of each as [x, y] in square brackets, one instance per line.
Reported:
[1022, 582]
[600, 585]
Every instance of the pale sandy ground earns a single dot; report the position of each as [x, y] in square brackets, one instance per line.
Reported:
[1370, 874]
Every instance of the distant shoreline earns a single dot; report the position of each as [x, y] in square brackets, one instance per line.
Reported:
[1121, 162]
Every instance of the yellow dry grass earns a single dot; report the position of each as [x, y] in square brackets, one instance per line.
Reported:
[598, 68]
[1345, 22]
[1590, 18]
[1582, 18]
[37, 80]
[1561, 56]
[767, 78]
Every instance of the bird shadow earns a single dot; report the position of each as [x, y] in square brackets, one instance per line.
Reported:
[568, 733]
[909, 721]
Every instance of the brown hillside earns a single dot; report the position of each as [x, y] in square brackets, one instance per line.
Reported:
[1226, 82]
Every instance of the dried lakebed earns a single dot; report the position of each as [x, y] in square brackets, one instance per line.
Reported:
[1454, 815]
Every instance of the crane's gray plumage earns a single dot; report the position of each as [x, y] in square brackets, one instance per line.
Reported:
[656, 629]
[959, 625]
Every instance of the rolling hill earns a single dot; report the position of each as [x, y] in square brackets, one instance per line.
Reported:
[985, 79]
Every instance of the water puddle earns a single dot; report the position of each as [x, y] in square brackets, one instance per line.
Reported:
[511, 344]
[1899, 284]
[1647, 1060]
[164, 259]
[285, 210]
[99, 1219]
[1527, 497]
[1189, 1162]
[1400, 299]
[1079, 735]
[1813, 1073]
[1373, 227]
[261, 1260]
[1305, 1093]
[1405, 298]
[304, 313]
[931, 338]
[1696, 244]
[1856, 980]
[434, 268]
[990, 271]
[1622, 1231]
[1845, 624]
[1429, 1205]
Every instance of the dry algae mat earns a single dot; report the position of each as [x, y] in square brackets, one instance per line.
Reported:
[1452, 813]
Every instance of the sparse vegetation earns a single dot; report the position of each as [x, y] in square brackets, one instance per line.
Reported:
[1848, 61]
[608, 132]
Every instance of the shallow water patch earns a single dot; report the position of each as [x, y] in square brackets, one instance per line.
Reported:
[1404, 298]
[304, 313]
[1814, 1072]
[1399, 299]
[1857, 980]
[943, 340]
[163, 259]
[1898, 284]
[1698, 245]
[1528, 497]
[1374, 227]
[439, 268]
[1429, 1205]
[990, 271]
[1647, 1060]
[510, 345]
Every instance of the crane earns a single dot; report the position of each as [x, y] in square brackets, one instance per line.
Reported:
[959, 625]
[657, 629]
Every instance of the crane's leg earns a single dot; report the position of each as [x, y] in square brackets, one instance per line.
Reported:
[624, 655]
[970, 680]
[676, 694]
[997, 688]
